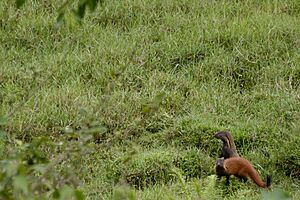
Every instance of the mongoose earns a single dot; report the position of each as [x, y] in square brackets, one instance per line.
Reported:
[229, 149]
[241, 168]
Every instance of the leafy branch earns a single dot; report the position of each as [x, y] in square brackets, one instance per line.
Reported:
[79, 12]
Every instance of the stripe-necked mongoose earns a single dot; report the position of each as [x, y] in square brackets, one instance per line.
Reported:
[241, 168]
[229, 149]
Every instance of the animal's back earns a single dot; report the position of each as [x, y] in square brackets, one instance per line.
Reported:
[238, 166]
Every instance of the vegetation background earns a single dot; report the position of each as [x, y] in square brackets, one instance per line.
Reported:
[124, 104]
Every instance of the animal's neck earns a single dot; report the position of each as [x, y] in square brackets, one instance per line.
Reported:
[229, 142]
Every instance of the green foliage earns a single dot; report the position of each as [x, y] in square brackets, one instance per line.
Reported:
[28, 172]
[80, 12]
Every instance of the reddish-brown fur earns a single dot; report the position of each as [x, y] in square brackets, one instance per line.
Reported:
[239, 167]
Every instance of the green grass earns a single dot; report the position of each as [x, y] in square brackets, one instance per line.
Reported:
[152, 81]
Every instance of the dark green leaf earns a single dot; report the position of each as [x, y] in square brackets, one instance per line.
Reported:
[79, 195]
[60, 19]
[4, 194]
[22, 170]
[81, 11]
[92, 4]
[19, 3]
[56, 194]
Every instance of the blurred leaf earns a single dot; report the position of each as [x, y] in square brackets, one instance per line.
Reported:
[99, 129]
[276, 194]
[65, 193]
[92, 4]
[3, 120]
[11, 168]
[63, 7]
[146, 108]
[159, 98]
[79, 195]
[18, 142]
[22, 169]
[3, 135]
[81, 11]
[56, 194]
[40, 168]
[21, 183]
[83, 112]
[5, 195]
[68, 129]
[60, 20]
[124, 192]
[19, 3]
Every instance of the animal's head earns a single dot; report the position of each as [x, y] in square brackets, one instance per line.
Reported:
[221, 134]
[220, 162]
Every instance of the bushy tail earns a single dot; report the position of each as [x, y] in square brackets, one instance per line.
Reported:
[269, 181]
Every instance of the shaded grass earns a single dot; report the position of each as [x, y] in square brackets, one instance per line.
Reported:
[161, 76]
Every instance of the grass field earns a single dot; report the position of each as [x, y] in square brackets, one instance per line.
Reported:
[125, 104]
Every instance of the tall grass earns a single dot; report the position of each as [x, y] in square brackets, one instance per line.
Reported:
[152, 81]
